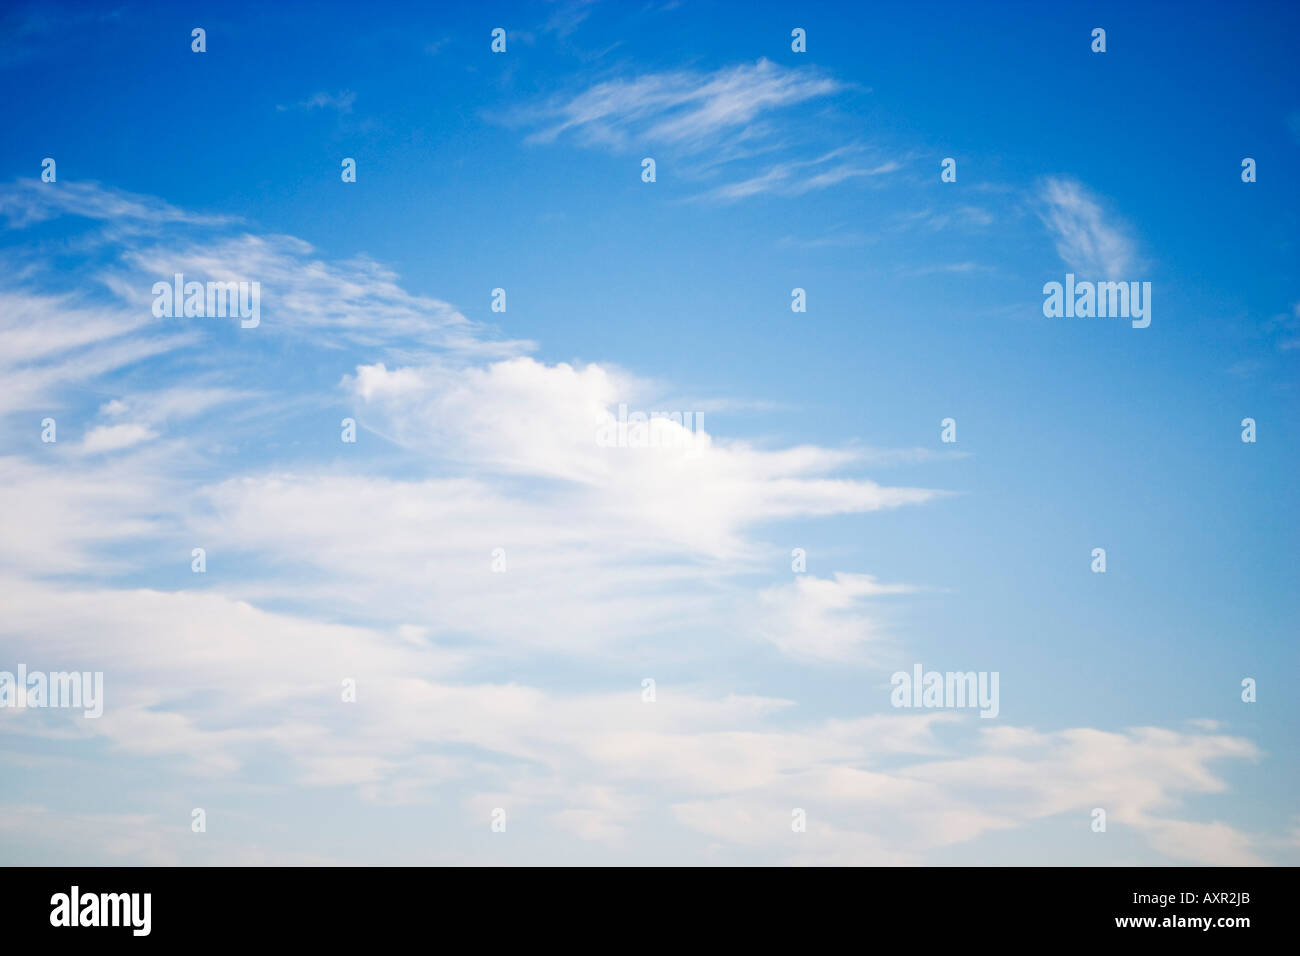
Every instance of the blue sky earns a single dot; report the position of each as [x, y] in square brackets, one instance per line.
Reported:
[522, 689]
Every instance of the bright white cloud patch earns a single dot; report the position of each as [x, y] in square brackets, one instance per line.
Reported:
[821, 619]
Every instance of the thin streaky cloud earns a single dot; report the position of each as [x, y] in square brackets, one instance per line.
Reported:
[686, 110]
[341, 101]
[1088, 240]
[28, 201]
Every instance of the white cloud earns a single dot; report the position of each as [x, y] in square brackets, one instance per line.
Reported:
[822, 619]
[1090, 242]
[29, 201]
[710, 123]
[59, 517]
[522, 417]
[60, 838]
[115, 437]
[49, 342]
[378, 569]
[208, 684]
[682, 108]
[354, 301]
[791, 179]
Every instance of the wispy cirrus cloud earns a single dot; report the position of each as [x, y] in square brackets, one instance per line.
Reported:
[1090, 241]
[357, 300]
[683, 108]
[1284, 328]
[797, 177]
[718, 123]
[28, 201]
[50, 343]
[142, 240]
[341, 101]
